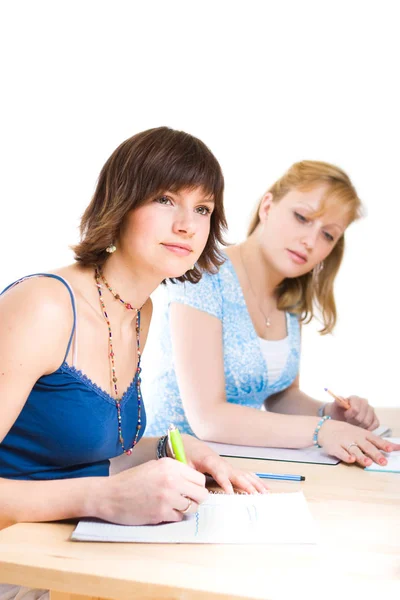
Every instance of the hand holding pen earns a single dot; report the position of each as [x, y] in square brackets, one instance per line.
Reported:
[353, 410]
[204, 459]
[243, 480]
[176, 444]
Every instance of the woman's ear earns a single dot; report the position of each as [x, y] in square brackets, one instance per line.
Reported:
[264, 207]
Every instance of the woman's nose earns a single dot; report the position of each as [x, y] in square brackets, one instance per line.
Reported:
[184, 223]
[309, 239]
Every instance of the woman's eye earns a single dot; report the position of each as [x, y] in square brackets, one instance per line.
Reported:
[329, 237]
[164, 200]
[203, 210]
[300, 217]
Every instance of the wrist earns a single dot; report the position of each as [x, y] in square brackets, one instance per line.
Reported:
[93, 497]
[316, 436]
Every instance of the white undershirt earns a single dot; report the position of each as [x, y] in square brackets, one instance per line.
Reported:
[275, 353]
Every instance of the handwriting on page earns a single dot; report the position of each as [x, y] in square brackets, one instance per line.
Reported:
[222, 519]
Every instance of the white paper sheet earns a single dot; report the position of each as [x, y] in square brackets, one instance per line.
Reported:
[393, 458]
[223, 519]
[311, 454]
[382, 430]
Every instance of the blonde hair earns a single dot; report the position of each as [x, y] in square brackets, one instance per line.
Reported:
[313, 292]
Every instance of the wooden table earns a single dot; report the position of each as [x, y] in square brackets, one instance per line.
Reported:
[358, 516]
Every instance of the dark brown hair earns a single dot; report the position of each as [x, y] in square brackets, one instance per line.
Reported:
[149, 163]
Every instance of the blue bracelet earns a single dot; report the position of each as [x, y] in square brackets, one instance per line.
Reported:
[318, 427]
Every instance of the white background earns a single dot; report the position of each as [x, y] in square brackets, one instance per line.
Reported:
[263, 83]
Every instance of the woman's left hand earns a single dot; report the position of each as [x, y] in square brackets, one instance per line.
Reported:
[205, 460]
[360, 412]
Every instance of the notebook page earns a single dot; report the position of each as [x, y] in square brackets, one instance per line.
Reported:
[382, 430]
[282, 518]
[393, 458]
[311, 454]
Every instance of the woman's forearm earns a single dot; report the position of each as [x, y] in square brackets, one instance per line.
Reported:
[47, 500]
[54, 500]
[234, 424]
[292, 401]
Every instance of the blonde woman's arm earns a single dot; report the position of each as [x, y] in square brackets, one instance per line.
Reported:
[198, 357]
[293, 401]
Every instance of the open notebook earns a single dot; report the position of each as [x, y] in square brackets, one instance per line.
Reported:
[393, 458]
[223, 519]
[311, 454]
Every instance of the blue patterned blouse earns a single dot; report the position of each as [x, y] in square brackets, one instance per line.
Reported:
[246, 375]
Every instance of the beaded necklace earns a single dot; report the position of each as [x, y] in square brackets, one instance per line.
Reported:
[99, 275]
[116, 296]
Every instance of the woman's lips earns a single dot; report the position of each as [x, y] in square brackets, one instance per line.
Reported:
[179, 249]
[300, 259]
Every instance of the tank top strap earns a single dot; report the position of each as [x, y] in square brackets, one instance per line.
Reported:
[73, 303]
[293, 328]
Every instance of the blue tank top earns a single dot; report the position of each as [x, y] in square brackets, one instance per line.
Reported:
[68, 426]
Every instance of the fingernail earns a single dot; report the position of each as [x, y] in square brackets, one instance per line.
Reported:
[383, 461]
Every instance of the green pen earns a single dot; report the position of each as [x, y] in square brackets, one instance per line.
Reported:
[176, 444]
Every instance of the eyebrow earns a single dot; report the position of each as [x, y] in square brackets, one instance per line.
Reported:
[335, 225]
[312, 210]
[209, 200]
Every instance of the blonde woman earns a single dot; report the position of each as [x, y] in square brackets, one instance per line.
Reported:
[236, 334]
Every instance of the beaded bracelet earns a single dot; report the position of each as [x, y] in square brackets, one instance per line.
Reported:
[318, 427]
[162, 447]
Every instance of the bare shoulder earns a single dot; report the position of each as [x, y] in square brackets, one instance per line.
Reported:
[37, 297]
[38, 309]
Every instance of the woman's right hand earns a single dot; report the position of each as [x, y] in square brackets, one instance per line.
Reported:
[154, 492]
[354, 444]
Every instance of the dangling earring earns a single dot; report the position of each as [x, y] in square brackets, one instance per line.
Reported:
[318, 268]
[111, 248]
[192, 267]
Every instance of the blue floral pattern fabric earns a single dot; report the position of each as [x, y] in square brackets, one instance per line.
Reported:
[246, 373]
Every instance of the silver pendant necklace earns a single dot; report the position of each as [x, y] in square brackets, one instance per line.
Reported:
[267, 319]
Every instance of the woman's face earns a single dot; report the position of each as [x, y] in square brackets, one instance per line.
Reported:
[293, 240]
[167, 234]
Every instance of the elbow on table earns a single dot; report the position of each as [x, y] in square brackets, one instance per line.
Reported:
[207, 429]
[7, 514]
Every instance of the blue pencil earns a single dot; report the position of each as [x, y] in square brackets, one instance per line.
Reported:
[282, 477]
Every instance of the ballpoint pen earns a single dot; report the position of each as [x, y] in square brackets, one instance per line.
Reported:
[281, 476]
[176, 444]
[341, 401]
